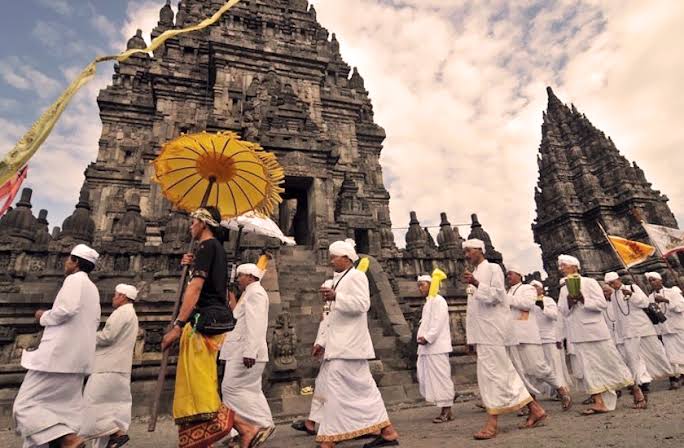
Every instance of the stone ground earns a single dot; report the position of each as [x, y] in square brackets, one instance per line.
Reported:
[661, 426]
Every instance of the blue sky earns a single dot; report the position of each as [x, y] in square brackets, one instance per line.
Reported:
[458, 85]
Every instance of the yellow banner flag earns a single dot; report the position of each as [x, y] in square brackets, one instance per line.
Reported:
[27, 146]
[631, 252]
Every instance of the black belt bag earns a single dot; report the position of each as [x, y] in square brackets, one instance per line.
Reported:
[654, 313]
[214, 319]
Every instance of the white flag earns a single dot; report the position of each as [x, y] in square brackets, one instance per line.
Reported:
[666, 239]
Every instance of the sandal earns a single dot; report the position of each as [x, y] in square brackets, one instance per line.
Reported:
[380, 441]
[485, 434]
[592, 411]
[533, 422]
[443, 418]
[589, 400]
[566, 402]
[300, 425]
[116, 442]
[261, 436]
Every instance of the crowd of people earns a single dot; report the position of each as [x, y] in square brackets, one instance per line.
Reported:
[597, 339]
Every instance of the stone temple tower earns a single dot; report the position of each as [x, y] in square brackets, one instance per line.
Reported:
[584, 180]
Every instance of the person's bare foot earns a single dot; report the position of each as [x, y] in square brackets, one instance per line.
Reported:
[71, 441]
[389, 433]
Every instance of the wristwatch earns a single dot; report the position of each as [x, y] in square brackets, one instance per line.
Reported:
[179, 323]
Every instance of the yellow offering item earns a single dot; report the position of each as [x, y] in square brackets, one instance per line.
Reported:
[437, 277]
[364, 264]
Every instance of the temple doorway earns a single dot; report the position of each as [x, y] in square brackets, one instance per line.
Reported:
[295, 215]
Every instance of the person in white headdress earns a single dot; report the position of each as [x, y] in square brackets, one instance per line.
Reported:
[434, 346]
[551, 328]
[528, 355]
[488, 328]
[246, 353]
[108, 391]
[352, 404]
[49, 408]
[309, 425]
[601, 367]
[671, 303]
[644, 353]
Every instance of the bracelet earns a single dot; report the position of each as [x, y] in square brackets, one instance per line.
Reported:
[179, 323]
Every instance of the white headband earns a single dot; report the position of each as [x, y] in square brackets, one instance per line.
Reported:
[653, 275]
[85, 252]
[424, 278]
[474, 244]
[344, 249]
[129, 291]
[611, 276]
[568, 260]
[250, 269]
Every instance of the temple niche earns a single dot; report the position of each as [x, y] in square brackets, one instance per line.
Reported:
[270, 72]
[584, 180]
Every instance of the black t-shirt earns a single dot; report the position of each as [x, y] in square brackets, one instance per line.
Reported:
[211, 265]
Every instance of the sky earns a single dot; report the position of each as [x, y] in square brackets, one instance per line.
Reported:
[459, 87]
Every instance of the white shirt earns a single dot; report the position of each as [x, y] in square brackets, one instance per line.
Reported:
[434, 327]
[248, 338]
[674, 311]
[345, 334]
[547, 321]
[630, 319]
[488, 316]
[521, 297]
[116, 341]
[584, 322]
[68, 342]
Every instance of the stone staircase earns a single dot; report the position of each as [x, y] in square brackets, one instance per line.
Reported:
[299, 279]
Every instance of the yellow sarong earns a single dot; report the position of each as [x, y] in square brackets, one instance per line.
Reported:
[196, 396]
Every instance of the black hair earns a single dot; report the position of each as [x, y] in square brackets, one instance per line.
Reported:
[83, 264]
[220, 233]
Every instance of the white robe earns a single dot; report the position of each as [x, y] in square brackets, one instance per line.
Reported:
[241, 386]
[489, 328]
[672, 330]
[433, 367]
[108, 391]
[528, 355]
[551, 332]
[642, 351]
[49, 403]
[319, 384]
[599, 365]
[351, 402]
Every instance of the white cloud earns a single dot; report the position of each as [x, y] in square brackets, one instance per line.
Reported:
[21, 75]
[459, 88]
[61, 7]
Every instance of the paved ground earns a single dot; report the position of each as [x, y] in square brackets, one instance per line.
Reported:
[661, 426]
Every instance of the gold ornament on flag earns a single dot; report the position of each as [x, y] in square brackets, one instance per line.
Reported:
[220, 170]
[631, 252]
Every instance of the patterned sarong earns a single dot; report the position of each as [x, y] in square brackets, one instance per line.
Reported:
[197, 407]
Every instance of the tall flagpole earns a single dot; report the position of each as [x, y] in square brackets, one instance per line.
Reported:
[674, 275]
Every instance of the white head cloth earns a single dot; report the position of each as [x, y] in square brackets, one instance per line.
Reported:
[344, 249]
[676, 288]
[128, 290]
[654, 275]
[474, 244]
[515, 269]
[85, 252]
[568, 260]
[424, 278]
[250, 269]
[536, 283]
[610, 277]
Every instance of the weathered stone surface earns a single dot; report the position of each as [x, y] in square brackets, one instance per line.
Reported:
[584, 180]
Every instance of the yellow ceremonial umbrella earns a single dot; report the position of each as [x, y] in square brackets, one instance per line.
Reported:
[205, 169]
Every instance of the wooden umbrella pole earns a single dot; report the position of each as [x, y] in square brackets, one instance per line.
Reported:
[161, 377]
